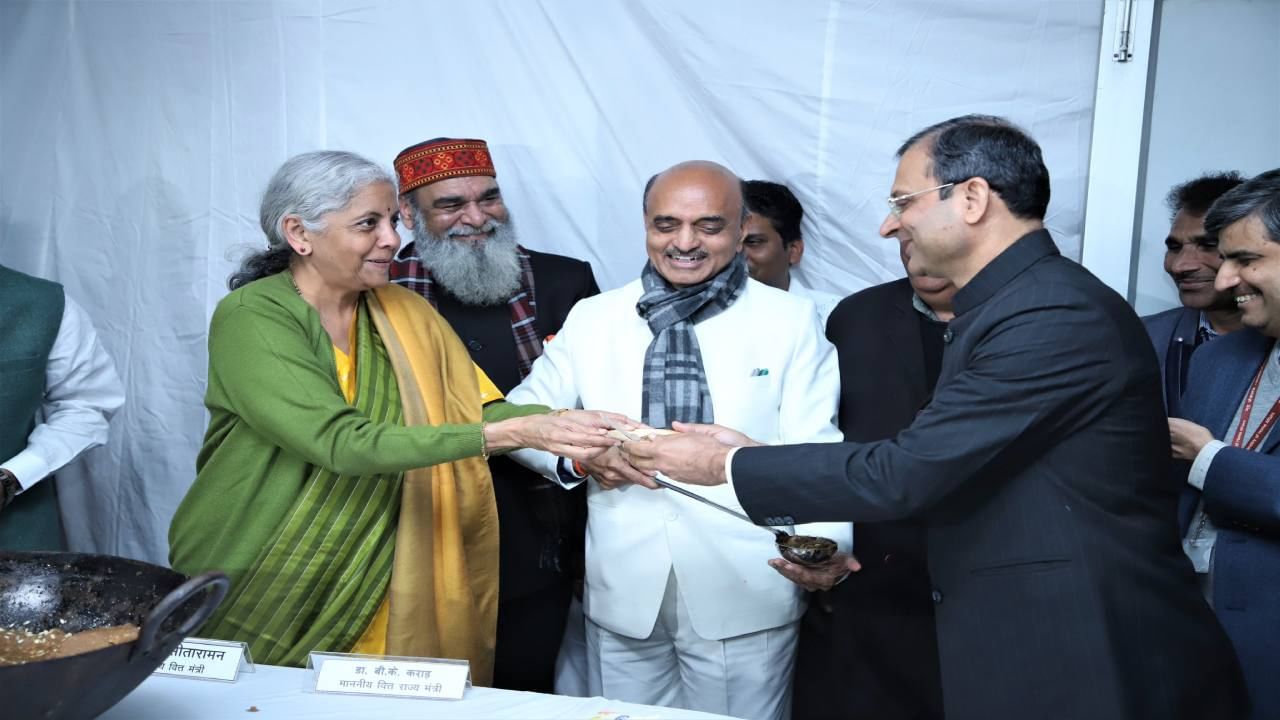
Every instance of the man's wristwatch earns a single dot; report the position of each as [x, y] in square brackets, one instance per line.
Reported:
[9, 487]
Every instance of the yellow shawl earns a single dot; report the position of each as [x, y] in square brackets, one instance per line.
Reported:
[444, 583]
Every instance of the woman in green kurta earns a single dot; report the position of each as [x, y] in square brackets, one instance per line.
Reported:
[342, 482]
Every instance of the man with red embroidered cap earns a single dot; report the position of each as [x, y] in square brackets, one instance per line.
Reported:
[504, 301]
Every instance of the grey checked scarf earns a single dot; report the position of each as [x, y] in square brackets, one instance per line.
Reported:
[675, 383]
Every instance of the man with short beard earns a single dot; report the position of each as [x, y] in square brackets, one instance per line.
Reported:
[1191, 258]
[504, 301]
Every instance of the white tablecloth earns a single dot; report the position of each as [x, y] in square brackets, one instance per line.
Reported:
[280, 693]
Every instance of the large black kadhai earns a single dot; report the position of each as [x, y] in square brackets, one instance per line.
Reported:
[74, 592]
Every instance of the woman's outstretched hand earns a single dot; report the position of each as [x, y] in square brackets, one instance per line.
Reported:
[574, 434]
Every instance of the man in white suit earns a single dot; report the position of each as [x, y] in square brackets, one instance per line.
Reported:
[687, 606]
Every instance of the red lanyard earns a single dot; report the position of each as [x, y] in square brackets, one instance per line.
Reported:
[1256, 439]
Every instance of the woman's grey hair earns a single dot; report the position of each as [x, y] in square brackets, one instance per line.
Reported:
[309, 186]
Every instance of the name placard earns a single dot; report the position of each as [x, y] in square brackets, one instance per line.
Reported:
[207, 660]
[428, 678]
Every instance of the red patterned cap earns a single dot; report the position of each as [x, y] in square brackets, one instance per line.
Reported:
[440, 159]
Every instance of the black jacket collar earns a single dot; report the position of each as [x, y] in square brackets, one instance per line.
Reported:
[1022, 254]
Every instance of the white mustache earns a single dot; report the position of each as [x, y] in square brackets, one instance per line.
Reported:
[695, 255]
[463, 230]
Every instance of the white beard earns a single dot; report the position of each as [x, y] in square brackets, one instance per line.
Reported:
[487, 273]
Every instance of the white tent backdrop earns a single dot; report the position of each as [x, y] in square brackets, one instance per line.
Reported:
[135, 138]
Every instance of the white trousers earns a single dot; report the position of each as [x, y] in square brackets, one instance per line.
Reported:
[571, 662]
[748, 676]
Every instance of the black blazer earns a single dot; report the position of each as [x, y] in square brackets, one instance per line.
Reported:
[540, 525]
[1042, 468]
[558, 283]
[867, 649]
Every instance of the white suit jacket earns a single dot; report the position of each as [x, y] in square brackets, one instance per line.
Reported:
[772, 375]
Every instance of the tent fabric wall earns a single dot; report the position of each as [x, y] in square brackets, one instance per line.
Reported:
[136, 137]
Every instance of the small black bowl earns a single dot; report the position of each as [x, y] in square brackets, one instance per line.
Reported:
[807, 550]
[74, 592]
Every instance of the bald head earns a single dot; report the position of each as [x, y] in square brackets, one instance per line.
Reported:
[703, 171]
[693, 221]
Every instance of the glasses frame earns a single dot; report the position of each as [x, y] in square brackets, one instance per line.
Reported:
[898, 203]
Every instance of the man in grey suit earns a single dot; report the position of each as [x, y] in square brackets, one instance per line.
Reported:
[1191, 258]
[1040, 467]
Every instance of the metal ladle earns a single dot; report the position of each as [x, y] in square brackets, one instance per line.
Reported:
[781, 536]
[799, 549]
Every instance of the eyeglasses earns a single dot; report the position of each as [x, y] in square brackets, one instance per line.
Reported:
[898, 203]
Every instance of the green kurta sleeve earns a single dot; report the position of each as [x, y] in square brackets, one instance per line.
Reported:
[276, 410]
[274, 379]
[503, 410]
